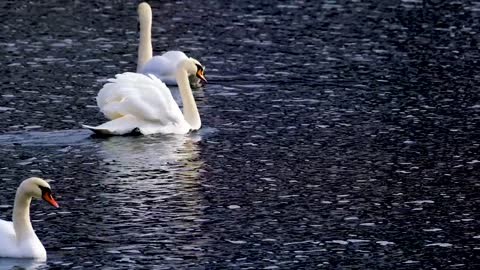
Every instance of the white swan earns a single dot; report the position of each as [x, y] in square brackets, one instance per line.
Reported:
[162, 66]
[17, 238]
[142, 103]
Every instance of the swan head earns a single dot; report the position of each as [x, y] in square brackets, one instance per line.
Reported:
[144, 13]
[194, 69]
[38, 188]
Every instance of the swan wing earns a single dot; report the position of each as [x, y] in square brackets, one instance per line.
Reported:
[7, 238]
[134, 100]
[143, 96]
[30, 247]
[6, 230]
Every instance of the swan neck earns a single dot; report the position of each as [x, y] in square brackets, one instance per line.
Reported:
[145, 51]
[21, 215]
[190, 110]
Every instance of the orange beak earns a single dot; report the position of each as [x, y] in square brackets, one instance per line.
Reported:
[47, 196]
[201, 76]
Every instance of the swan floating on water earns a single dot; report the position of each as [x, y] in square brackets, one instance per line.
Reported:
[162, 66]
[17, 238]
[138, 103]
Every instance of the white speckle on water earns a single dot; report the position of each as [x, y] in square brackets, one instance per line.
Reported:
[134, 251]
[250, 144]
[432, 230]
[32, 127]
[2, 109]
[66, 149]
[384, 243]
[297, 243]
[287, 6]
[27, 161]
[288, 196]
[68, 248]
[237, 242]
[439, 245]
[172, 258]
[269, 240]
[421, 201]
[271, 267]
[233, 206]
[341, 242]
[369, 224]
[92, 61]
[410, 261]
[358, 241]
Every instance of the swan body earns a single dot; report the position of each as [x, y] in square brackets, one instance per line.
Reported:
[162, 66]
[17, 238]
[135, 102]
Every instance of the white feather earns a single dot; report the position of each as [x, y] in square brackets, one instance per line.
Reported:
[164, 66]
[136, 101]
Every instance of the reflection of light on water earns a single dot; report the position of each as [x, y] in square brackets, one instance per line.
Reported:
[27, 264]
[148, 163]
[148, 189]
[138, 161]
[157, 198]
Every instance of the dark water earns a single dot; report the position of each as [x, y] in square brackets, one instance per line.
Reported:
[337, 135]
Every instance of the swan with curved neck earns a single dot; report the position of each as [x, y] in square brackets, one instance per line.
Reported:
[17, 238]
[143, 104]
[162, 66]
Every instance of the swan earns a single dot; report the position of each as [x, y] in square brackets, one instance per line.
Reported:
[143, 104]
[162, 66]
[17, 238]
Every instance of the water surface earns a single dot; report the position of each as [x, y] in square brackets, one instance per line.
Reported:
[345, 136]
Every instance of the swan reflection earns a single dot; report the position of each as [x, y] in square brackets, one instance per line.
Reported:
[26, 264]
[146, 163]
[152, 183]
